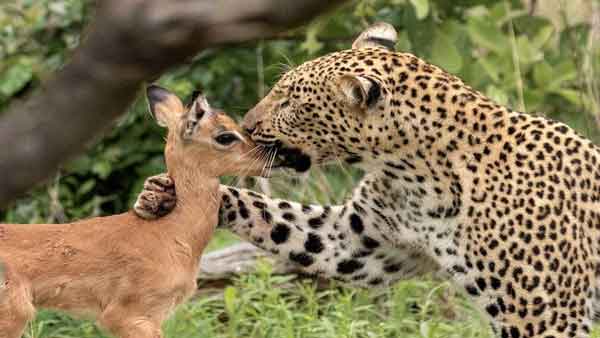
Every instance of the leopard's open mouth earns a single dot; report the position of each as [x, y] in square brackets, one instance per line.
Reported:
[287, 157]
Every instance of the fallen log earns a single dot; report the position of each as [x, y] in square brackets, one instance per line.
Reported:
[220, 268]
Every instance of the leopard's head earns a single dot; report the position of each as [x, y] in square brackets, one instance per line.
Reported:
[333, 108]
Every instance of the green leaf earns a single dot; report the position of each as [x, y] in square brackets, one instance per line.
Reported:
[542, 74]
[421, 34]
[498, 12]
[230, 298]
[445, 54]
[478, 11]
[485, 34]
[86, 187]
[80, 165]
[563, 72]
[421, 8]
[533, 99]
[403, 43]
[497, 94]
[490, 68]
[542, 36]
[573, 96]
[16, 77]
[526, 51]
[102, 169]
[312, 44]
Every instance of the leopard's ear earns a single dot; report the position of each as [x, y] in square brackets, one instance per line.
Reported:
[379, 34]
[359, 92]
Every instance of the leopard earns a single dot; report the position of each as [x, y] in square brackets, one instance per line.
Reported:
[503, 203]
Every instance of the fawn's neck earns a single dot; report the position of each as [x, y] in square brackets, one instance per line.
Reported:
[196, 215]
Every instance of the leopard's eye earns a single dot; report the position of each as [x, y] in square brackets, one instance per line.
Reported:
[284, 104]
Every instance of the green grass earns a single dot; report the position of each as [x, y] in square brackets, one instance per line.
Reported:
[257, 306]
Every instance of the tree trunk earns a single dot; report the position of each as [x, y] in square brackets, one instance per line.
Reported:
[130, 41]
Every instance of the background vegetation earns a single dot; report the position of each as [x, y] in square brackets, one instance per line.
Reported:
[540, 59]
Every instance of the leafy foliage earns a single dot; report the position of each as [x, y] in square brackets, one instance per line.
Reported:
[527, 61]
[523, 60]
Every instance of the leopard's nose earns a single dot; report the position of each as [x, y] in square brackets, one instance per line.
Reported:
[252, 119]
[249, 125]
[250, 130]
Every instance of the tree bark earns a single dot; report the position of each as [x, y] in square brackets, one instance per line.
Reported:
[130, 41]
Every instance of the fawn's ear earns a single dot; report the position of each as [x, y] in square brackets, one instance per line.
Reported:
[200, 106]
[379, 34]
[195, 94]
[165, 106]
[359, 92]
[200, 109]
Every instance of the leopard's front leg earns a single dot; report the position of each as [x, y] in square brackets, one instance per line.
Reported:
[340, 242]
[305, 234]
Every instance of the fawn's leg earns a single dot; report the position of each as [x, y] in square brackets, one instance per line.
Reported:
[137, 328]
[16, 307]
[124, 322]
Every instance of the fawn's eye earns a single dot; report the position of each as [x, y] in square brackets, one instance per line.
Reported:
[226, 139]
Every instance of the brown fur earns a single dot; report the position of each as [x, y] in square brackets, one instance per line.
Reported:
[128, 272]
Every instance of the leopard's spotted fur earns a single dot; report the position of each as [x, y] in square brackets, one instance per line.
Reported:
[507, 204]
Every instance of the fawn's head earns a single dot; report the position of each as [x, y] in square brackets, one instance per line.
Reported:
[202, 138]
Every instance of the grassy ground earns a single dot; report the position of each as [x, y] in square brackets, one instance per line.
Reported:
[256, 305]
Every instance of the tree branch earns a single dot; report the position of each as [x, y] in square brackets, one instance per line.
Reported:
[131, 41]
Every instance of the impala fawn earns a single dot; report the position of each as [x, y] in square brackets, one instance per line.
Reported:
[127, 272]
